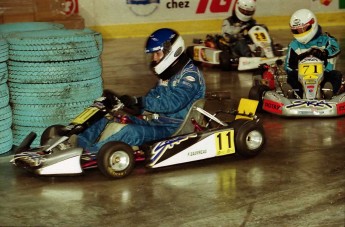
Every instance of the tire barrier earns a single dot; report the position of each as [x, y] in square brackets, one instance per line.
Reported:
[50, 110]
[3, 72]
[54, 72]
[4, 95]
[6, 139]
[58, 93]
[3, 50]
[7, 29]
[53, 75]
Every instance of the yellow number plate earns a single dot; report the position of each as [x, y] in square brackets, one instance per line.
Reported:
[246, 106]
[85, 115]
[307, 69]
[260, 36]
[225, 142]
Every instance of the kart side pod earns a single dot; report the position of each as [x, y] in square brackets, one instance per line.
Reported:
[62, 162]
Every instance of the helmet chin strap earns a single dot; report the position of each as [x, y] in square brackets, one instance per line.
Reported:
[175, 67]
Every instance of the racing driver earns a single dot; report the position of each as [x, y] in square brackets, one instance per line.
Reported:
[180, 85]
[235, 27]
[309, 40]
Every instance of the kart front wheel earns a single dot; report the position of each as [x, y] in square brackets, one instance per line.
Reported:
[249, 137]
[51, 132]
[116, 159]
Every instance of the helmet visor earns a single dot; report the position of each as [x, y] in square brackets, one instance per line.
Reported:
[302, 28]
[246, 12]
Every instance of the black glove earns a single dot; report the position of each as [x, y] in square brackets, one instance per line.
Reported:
[110, 97]
[133, 104]
[128, 100]
[320, 54]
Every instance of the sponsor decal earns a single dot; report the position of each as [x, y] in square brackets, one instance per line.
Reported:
[193, 153]
[148, 7]
[296, 22]
[310, 88]
[310, 103]
[161, 147]
[174, 4]
[215, 6]
[143, 7]
[178, 52]
[341, 108]
[273, 107]
[326, 2]
[70, 7]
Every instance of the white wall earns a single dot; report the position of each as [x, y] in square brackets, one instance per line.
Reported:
[113, 12]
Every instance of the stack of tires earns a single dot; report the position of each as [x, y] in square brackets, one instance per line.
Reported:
[6, 140]
[53, 75]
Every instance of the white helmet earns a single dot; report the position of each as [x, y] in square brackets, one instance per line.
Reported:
[172, 45]
[245, 9]
[303, 24]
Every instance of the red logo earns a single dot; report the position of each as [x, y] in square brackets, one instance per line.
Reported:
[216, 6]
[70, 7]
[273, 107]
[341, 108]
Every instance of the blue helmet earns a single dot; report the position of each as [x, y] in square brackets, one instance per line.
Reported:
[168, 41]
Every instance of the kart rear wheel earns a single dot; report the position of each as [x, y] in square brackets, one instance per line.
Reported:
[51, 132]
[249, 137]
[256, 93]
[116, 159]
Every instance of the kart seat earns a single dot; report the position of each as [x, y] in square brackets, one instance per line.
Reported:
[187, 125]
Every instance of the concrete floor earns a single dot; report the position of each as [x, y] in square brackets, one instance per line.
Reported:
[299, 179]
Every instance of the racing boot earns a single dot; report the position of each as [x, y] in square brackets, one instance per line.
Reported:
[288, 91]
[327, 90]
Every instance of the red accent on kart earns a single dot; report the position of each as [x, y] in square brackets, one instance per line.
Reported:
[268, 76]
[210, 44]
[341, 108]
[273, 107]
[139, 156]
[197, 127]
[89, 164]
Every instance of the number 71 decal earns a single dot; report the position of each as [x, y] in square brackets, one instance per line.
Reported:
[225, 142]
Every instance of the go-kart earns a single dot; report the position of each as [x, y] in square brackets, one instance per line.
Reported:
[277, 97]
[194, 140]
[216, 51]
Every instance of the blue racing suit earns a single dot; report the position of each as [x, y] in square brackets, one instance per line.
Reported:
[297, 51]
[170, 99]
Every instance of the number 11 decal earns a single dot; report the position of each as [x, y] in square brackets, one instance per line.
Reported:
[225, 142]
